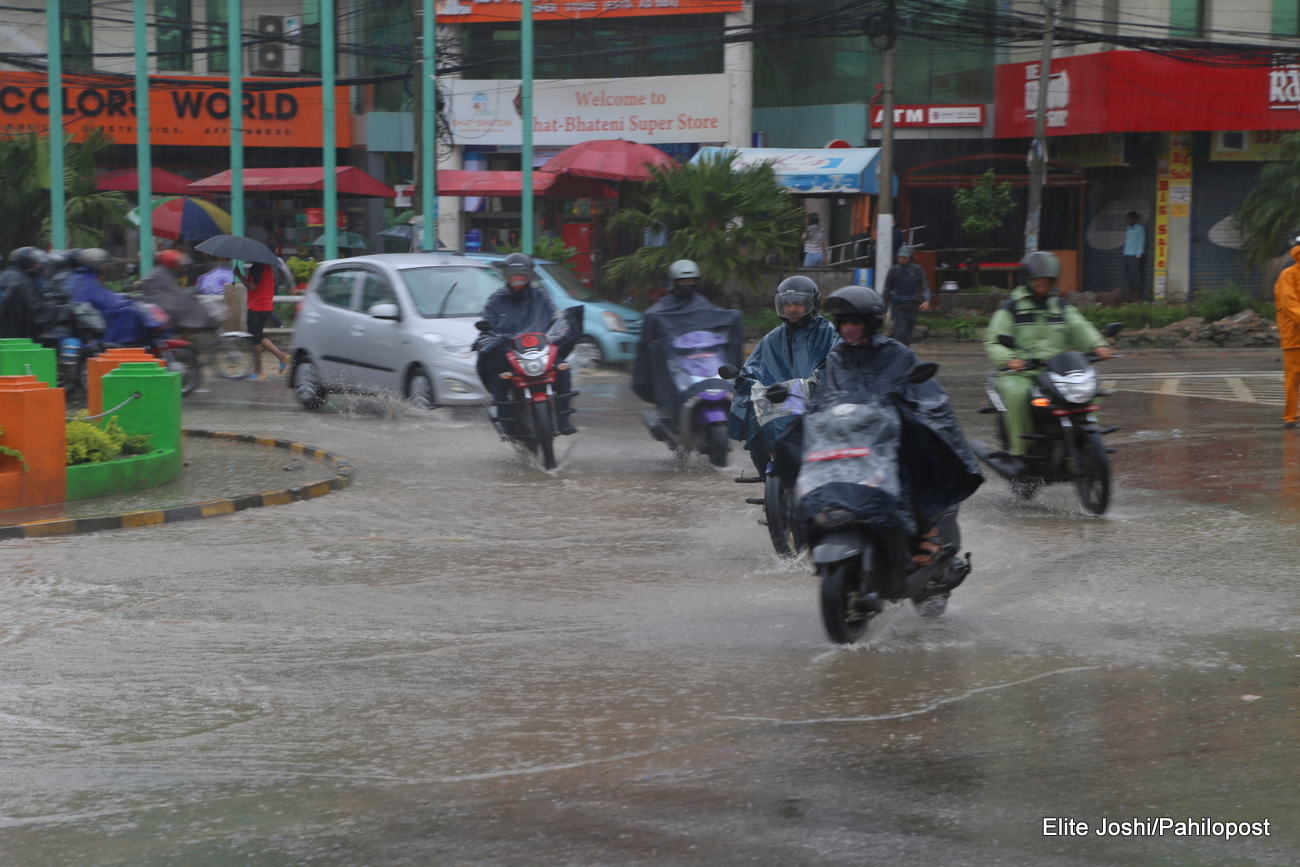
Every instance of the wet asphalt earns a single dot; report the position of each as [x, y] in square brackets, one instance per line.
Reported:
[464, 660]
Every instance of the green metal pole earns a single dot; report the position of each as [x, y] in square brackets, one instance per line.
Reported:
[327, 23]
[54, 49]
[235, 54]
[143, 146]
[526, 110]
[428, 131]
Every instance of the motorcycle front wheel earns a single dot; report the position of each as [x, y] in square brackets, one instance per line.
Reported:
[845, 623]
[1093, 479]
[718, 446]
[544, 433]
[778, 510]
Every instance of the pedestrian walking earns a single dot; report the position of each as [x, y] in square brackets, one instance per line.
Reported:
[814, 243]
[1135, 248]
[1286, 297]
[907, 292]
[260, 283]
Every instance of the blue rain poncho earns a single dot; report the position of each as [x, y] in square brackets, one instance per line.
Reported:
[664, 348]
[784, 354]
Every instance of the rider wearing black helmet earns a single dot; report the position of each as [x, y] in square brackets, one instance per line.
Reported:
[522, 307]
[795, 349]
[23, 310]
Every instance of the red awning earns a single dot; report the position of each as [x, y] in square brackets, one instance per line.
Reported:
[163, 182]
[350, 180]
[459, 182]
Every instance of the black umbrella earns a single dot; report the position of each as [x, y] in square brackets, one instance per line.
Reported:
[238, 247]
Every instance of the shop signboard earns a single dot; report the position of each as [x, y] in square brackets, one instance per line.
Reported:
[188, 111]
[673, 108]
[316, 217]
[934, 116]
[500, 11]
[1252, 145]
[1133, 91]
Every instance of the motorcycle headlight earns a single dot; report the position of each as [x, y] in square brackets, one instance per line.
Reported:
[1077, 387]
[533, 366]
[613, 321]
[449, 346]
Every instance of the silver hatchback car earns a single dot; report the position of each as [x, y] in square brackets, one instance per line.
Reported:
[400, 323]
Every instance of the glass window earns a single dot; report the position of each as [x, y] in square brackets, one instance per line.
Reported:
[375, 290]
[175, 34]
[336, 288]
[1186, 17]
[568, 282]
[78, 35]
[311, 36]
[218, 36]
[451, 291]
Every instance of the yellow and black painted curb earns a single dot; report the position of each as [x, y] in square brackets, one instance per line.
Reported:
[206, 509]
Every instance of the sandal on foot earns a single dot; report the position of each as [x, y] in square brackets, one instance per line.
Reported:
[930, 548]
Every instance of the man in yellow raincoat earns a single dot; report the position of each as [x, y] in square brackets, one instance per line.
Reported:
[1286, 296]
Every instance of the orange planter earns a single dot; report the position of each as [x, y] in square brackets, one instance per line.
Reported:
[104, 362]
[32, 415]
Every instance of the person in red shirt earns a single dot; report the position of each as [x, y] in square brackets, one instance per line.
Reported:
[260, 283]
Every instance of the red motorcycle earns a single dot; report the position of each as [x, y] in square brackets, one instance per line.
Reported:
[530, 414]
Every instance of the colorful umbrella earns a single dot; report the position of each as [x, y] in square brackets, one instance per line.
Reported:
[610, 159]
[182, 219]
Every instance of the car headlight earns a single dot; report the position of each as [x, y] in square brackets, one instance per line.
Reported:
[1077, 387]
[449, 346]
[613, 321]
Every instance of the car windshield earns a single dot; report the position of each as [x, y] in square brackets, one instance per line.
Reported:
[569, 282]
[451, 291]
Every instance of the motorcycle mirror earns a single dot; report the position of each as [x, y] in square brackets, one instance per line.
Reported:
[1112, 329]
[921, 372]
[728, 371]
[483, 325]
[1007, 340]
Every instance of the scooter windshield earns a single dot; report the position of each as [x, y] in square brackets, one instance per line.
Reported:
[853, 443]
[697, 355]
[796, 404]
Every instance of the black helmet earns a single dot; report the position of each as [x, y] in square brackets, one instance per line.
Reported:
[857, 303]
[517, 264]
[29, 259]
[797, 290]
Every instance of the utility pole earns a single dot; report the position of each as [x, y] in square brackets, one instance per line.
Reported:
[328, 94]
[235, 64]
[885, 196]
[1038, 150]
[143, 139]
[54, 87]
[526, 119]
[428, 132]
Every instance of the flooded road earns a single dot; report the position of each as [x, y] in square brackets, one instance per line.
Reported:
[464, 660]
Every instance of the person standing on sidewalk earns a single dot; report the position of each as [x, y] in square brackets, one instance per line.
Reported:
[814, 243]
[907, 292]
[1286, 296]
[260, 283]
[1135, 248]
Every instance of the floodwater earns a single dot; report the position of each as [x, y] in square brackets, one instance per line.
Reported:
[464, 660]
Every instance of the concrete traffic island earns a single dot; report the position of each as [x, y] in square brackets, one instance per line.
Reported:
[137, 402]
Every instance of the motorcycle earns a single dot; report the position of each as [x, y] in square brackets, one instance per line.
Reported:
[530, 414]
[1066, 444]
[160, 342]
[778, 500]
[78, 336]
[863, 557]
[700, 423]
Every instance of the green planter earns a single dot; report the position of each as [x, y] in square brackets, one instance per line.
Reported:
[124, 475]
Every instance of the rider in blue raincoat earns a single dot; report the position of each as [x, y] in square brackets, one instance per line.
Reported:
[795, 349]
[84, 286]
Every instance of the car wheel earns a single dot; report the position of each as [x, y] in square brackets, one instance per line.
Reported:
[587, 354]
[307, 385]
[419, 390]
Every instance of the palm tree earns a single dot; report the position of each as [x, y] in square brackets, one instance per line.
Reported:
[25, 193]
[728, 221]
[1270, 213]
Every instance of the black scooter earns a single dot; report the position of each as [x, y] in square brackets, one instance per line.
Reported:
[863, 564]
[1066, 444]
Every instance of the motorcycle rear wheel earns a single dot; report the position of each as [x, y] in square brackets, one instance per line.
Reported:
[544, 434]
[778, 509]
[844, 622]
[1093, 479]
[718, 446]
[186, 363]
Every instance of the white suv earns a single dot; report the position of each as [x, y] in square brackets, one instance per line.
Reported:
[401, 323]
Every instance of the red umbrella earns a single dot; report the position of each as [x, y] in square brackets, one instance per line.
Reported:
[610, 159]
[164, 183]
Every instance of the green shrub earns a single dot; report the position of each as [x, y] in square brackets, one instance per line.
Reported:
[14, 453]
[88, 443]
[302, 269]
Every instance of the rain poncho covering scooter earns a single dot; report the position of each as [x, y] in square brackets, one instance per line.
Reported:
[881, 447]
[784, 354]
[676, 337]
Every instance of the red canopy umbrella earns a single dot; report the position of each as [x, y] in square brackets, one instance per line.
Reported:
[610, 159]
[349, 180]
[163, 182]
[460, 182]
